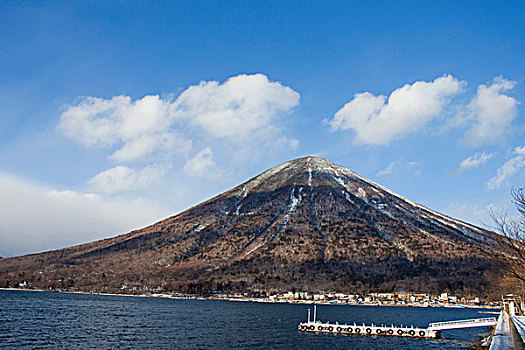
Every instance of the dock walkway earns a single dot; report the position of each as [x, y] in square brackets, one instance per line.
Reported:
[519, 322]
[509, 333]
[502, 340]
[380, 330]
[476, 322]
[433, 331]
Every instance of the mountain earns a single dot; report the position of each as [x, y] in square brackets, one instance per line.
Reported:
[307, 224]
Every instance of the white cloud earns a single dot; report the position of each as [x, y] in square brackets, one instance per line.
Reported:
[491, 112]
[36, 218]
[122, 178]
[202, 165]
[387, 170]
[245, 109]
[138, 128]
[475, 160]
[379, 121]
[282, 143]
[147, 144]
[508, 169]
[236, 108]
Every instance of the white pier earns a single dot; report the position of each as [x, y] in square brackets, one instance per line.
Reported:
[502, 338]
[433, 331]
[476, 322]
[394, 331]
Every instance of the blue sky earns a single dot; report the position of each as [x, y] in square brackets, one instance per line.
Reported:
[116, 114]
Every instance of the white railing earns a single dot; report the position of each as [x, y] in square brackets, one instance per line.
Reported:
[476, 322]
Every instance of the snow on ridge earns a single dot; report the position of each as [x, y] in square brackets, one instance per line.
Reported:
[404, 249]
[237, 209]
[360, 192]
[377, 192]
[452, 222]
[338, 180]
[244, 193]
[347, 197]
[309, 173]
[426, 211]
[254, 182]
[291, 208]
[383, 208]
[293, 203]
[338, 174]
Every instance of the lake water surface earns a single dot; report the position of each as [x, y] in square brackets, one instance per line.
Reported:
[47, 320]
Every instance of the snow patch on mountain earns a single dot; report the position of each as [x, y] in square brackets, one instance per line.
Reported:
[339, 180]
[253, 183]
[347, 197]
[237, 209]
[421, 210]
[291, 207]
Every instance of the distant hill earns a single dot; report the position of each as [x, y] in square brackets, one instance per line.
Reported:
[307, 224]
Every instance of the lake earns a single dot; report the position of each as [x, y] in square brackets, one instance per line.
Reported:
[49, 320]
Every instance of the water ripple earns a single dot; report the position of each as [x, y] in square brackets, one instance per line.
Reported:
[45, 320]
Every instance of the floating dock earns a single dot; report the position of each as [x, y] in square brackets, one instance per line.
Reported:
[432, 331]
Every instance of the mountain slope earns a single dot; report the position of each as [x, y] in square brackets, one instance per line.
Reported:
[306, 224]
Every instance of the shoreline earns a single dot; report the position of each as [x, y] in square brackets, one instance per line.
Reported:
[254, 300]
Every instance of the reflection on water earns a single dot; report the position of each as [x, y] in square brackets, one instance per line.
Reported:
[75, 321]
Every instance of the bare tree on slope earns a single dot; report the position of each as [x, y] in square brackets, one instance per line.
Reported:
[513, 246]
